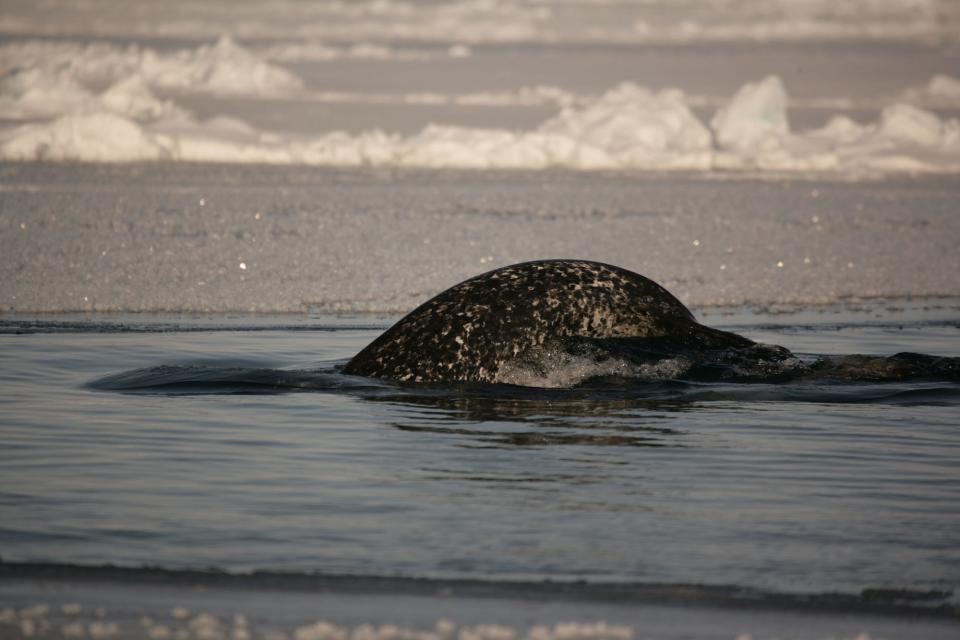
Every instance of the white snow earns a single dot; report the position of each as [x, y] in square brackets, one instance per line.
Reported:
[38, 92]
[628, 127]
[98, 102]
[131, 97]
[941, 90]
[44, 79]
[225, 67]
[529, 96]
[752, 131]
[632, 127]
[525, 96]
[318, 51]
[755, 119]
[96, 137]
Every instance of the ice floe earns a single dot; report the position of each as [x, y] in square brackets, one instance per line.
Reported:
[756, 117]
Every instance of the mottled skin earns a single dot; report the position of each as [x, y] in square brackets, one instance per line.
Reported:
[472, 330]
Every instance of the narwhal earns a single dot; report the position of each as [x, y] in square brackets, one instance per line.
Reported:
[485, 328]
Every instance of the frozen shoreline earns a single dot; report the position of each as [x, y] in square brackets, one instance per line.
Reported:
[219, 238]
[151, 603]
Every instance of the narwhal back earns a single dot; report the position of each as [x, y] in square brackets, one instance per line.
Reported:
[468, 332]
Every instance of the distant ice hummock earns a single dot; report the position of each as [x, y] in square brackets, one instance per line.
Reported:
[98, 103]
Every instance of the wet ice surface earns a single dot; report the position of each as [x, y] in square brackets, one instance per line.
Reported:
[220, 238]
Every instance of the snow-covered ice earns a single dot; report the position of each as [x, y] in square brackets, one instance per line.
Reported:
[214, 238]
[753, 131]
[941, 90]
[97, 98]
[68, 72]
[627, 127]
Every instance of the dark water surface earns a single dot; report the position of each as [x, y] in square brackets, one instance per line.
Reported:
[237, 444]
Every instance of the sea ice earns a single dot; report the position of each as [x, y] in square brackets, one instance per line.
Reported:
[97, 137]
[97, 102]
[496, 21]
[941, 90]
[46, 79]
[752, 131]
[225, 67]
[755, 119]
[632, 127]
[316, 51]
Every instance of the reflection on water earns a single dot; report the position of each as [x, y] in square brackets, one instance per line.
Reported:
[606, 411]
[250, 450]
[491, 414]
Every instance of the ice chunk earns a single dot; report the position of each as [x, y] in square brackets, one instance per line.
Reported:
[628, 127]
[911, 125]
[941, 90]
[320, 631]
[755, 119]
[225, 68]
[133, 99]
[944, 86]
[40, 92]
[635, 127]
[46, 79]
[103, 137]
[752, 132]
[839, 130]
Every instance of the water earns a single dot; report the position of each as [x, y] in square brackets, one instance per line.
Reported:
[263, 456]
